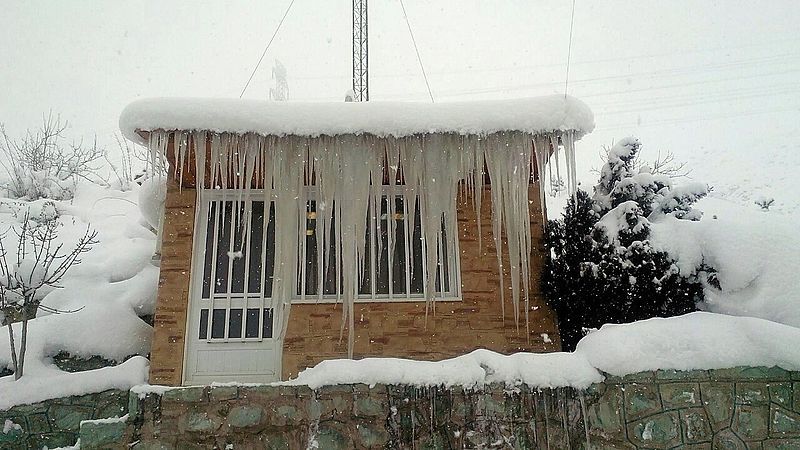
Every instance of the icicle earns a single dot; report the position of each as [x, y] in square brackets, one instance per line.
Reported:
[568, 138]
[585, 418]
[541, 145]
[199, 140]
[508, 157]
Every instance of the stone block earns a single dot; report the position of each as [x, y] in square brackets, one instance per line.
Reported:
[69, 417]
[98, 434]
[682, 375]
[244, 416]
[749, 374]
[796, 389]
[784, 423]
[701, 446]
[38, 423]
[284, 415]
[52, 440]
[696, 427]
[660, 431]
[781, 394]
[748, 393]
[152, 445]
[751, 422]
[371, 435]
[641, 400]
[332, 435]
[369, 406]
[334, 401]
[718, 402]
[274, 441]
[781, 444]
[605, 413]
[221, 393]
[192, 394]
[200, 422]
[15, 435]
[680, 395]
[727, 440]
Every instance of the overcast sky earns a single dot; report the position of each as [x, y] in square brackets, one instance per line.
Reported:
[692, 76]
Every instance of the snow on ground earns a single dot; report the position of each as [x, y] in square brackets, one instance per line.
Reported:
[473, 369]
[113, 285]
[699, 340]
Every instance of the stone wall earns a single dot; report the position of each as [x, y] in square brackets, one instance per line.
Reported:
[742, 408]
[55, 423]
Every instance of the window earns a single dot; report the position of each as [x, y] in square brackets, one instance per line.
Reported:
[237, 271]
[239, 262]
[394, 247]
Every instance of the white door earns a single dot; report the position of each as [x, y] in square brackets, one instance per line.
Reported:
[231, 328]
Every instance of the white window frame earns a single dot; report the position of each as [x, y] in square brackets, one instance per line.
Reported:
[453, 263]
[227, 300]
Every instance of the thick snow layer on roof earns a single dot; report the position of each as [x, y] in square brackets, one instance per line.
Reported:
[696, 341]
[533, 115]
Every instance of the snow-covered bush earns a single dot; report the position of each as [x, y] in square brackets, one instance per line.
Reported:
[602, 267]
[29, 271]
[43, 165]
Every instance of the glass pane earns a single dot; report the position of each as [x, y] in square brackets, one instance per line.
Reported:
[238, 254]
[266, 331]
[417, 279]
[312, 248]
[209, 250]
[223, 246]
[256, 247]
[203, 324]
[270, 255]
[235, 323]
[218, 324]
[251, 330]
[399, 255]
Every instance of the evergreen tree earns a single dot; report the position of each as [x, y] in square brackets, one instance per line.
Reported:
[602, 267]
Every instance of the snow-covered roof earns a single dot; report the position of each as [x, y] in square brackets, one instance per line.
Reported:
[533, 115]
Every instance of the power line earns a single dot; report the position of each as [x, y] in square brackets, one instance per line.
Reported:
[266, 48]
[569, 48]
[414, 41]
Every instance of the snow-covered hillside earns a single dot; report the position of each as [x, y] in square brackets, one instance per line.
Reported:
[110, 289]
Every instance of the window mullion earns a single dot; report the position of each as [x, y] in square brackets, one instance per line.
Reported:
[374, 230]
[390, 227]
[248, 208]
[231, 246]
[264, 243]
[214, 262]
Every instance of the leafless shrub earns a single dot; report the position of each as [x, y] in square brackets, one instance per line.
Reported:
[40, 262]
[44, 165]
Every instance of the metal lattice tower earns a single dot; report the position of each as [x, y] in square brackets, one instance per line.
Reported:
[360, 52]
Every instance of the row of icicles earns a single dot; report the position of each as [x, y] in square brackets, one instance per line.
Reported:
[348, 173]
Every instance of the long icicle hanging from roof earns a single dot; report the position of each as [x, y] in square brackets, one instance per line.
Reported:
[347, 175]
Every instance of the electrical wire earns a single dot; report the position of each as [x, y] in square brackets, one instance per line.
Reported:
[569, 48]
[414, 41]
[266, 48]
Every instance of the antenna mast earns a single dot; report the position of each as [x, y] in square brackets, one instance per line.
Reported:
[360, 52]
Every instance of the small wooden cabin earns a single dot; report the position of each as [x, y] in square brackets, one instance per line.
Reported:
[299, 232]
